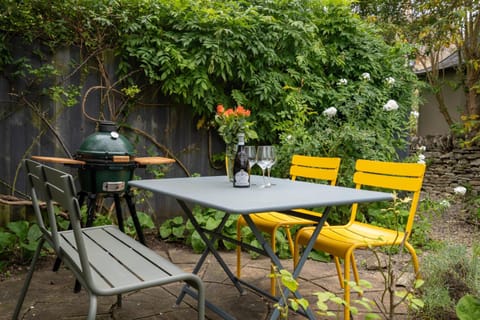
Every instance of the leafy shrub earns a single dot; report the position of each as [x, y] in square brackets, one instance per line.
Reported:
[468, 308]
[177, 229]
[448, 274]
[18, 242]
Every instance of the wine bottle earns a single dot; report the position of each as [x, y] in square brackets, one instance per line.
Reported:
[241, 178]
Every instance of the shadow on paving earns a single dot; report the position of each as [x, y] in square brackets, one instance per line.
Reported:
[51, 293]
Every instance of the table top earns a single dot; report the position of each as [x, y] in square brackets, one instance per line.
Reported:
[217, 192]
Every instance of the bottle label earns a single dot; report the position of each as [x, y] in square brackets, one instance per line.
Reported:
[241, 179]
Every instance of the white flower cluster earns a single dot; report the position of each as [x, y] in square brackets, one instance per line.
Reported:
[414, 114]
[330, 112]
[421, 159]
[391, 105]
[421, 156]
[390, 81]
[342, 82]
[445, 203]
[365, 76]
[460, 190]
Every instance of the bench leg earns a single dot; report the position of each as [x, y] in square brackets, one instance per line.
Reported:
[26, 284]
[92, 308]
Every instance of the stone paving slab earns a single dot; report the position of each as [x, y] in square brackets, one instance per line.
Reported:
[51, 296]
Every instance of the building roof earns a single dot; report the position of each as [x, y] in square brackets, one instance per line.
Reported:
[451, 60]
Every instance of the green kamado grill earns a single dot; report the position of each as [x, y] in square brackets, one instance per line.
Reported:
[109, 161]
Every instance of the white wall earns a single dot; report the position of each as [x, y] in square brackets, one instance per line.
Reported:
[431, 121]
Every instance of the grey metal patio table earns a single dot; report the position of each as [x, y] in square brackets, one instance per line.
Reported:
[217, 192]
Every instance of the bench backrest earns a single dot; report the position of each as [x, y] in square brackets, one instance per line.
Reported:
[46, 222]
[60, 189]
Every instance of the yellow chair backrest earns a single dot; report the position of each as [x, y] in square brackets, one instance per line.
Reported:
[319, 168]
[390, 175]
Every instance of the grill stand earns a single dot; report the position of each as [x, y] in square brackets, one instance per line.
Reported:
[92, 198]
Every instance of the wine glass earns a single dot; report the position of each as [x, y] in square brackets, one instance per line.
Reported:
[272, 160]
[251, 152]
[264, 158]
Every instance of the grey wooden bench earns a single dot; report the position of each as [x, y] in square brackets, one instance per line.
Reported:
[104, 260]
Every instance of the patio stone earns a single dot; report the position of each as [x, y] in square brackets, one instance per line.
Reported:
[51, 294]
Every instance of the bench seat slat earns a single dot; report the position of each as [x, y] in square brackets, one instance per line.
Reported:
[105, 265]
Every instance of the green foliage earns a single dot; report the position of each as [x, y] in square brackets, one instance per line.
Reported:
[236, 52]
[18, 242]
[467, 131]
[470, 204]
[286, 280]
[360, 127]
[468, 308]
[173, 229]
[101, 219]
[177, 229]
[287, 61]
[449, 274]
[145, 220]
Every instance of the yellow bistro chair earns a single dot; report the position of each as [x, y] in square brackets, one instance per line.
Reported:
[341, 241]
[306, 167]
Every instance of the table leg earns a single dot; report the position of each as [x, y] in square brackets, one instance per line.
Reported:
[276, 261]
[210, 249]
[301, 263]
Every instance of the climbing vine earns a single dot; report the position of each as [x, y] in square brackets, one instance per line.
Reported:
[201, 53]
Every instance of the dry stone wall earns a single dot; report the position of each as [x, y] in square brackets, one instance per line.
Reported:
[448, 165]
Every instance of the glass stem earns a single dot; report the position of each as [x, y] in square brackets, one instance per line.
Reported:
[268, 174]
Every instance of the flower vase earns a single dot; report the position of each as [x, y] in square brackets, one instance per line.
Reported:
[230, 153]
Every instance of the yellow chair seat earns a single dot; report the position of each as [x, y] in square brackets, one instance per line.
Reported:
[268, 221]
[338, 240]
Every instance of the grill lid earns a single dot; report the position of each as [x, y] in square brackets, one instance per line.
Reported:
[105, 144]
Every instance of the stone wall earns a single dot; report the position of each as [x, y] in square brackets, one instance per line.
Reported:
[448, 165]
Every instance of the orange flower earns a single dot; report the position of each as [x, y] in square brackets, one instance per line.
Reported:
[233, 121]
[229, 112]
[240, 110]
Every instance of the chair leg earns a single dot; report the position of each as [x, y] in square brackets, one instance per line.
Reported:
[416, 267]
[273, 280]
[339, 270]
[346, 288]
[28, 279]
[290, 240]
[355, 269]
[240, 223]
[296, 253]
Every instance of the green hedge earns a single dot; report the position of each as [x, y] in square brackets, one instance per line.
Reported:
[287, 61]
